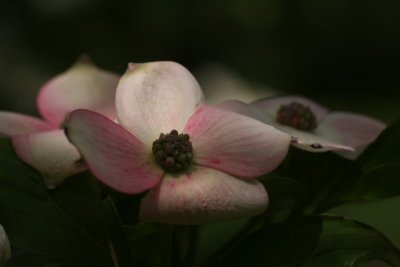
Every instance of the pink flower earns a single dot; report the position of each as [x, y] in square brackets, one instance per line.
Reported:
[198, 161]
[42, 143]
[313, 127]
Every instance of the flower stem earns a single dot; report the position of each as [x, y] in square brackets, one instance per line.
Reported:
[166, 242]
[215, 259]
[190, 256]
[113, 254]
[101, 196]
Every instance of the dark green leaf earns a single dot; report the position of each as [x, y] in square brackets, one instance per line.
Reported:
[378, 183]
[117, 243]
[22, 258]
[145, 240]
[384, 150]
[325, 178]
[380, 164]
[136, 233]
[63, 224]
[313, 241]
[286, 198]
[328, 180]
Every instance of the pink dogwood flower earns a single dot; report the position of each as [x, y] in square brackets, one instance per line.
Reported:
[312, 126]
[197, 161]
[41, 143]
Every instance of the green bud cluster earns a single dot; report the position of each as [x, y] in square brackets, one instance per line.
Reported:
[297, 115]
[173, 151]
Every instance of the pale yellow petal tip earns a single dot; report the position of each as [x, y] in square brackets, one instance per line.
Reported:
[133, 67]
[5, 248]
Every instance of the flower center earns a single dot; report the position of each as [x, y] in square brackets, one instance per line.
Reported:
[297, 115]
[173, 151]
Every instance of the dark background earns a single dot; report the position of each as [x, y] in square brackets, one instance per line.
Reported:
[343, 48]
[343, 53]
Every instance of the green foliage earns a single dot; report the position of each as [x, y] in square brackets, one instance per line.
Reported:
[317, 182]
[385, 149]
[286, 198]
[325, 179]
[76, 225]
[313, 241]
[69, 226]
[380, 164]
[145, 242]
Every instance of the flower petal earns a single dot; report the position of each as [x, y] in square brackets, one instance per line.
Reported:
[82, 86]
[241, 108]
[351, 129]
[234, 143]
[51, 154]
[115, 156]
[270, 106]
[15, 124]
[203, 195]
[300, 139]
[5, 248]
[220, 83]
[156, 98]
[311, 141]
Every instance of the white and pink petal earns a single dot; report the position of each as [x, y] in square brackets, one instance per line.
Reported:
[51, 154]
[236, 144]
[82, 86]
[241, 108]
[156, 97]
[354, 130]
[12, 124]
[114, 155]
[202, 195]
[269, 106]
[312, 141]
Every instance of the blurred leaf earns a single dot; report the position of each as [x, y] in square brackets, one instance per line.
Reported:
[384, 150]
[286, 198]
[117, 243]
[21, 258]
[380, 164]
[378, 183]
[313, 241]
[217, 239]
[135, 233]
[127, 206]
[24, 258]
[328, 180]
[145, 240]
[64, 224]
[325, 178]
